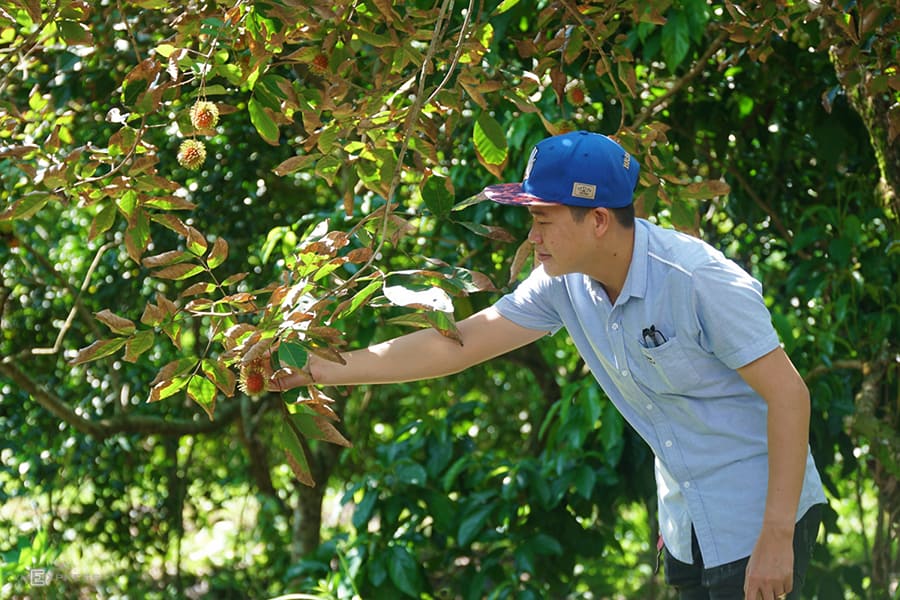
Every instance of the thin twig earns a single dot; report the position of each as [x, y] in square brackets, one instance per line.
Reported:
[654, 107]
[75, 305]
[573, 11]
[412, 116]
[30, 43]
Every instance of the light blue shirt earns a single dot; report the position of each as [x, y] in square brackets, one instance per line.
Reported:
[706, 426]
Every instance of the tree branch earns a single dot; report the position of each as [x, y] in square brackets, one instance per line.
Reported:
[105, 428]
[852, 364]
[654, 107]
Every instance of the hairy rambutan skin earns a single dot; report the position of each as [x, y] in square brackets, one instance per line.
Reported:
[204, 115]
[191, 154]
[253, 377]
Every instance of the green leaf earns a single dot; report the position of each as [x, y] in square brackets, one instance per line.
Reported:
[585, 478]
[165, 50]
[316, 427]
[410, 473]
[116, 324]
[169, 203]
[295, 454]
[195, 242]
[453, 472]
[373, 39]
[360, 298]
[139, 343]
[292, 354]
[75, 33]
[433, 298]
[505, 6]
[127, 203]
[103, 220]
[268, 92]
[26, 206]
[218, 254]
[220, 375]
[138, 81]
[179, 272]
[98, 350]
[490, 144]
[489, 231]
[437, 196]
[295, 163]
[263, 122]
[364, 509]
[203, 391]
[472, 525]
[676, 39]
[404, 571]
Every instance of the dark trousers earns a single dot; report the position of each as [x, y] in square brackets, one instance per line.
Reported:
[726, 582]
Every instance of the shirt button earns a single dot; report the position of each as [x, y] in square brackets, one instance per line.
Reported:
[686, 484]
[668, 443]
[615, 326]
[624, 372]
[649, 407]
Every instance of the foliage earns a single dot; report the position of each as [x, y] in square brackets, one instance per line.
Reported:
[324, 211]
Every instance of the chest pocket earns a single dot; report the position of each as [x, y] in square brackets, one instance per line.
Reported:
[666, 369]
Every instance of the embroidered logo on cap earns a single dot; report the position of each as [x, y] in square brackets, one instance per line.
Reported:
[531, 159]
[584, 190]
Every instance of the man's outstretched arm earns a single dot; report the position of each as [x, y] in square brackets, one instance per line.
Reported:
[423, 354]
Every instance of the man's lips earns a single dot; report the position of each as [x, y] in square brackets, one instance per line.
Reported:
[542, 256]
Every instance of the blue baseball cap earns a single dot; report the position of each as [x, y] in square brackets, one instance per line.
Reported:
[579, 168]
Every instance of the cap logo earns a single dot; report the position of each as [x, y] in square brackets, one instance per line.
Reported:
[584, 190]
[626, 162]
[531, 159]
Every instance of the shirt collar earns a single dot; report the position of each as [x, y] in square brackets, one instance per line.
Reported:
[636, 280]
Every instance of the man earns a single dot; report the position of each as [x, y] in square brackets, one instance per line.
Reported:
[680, 340]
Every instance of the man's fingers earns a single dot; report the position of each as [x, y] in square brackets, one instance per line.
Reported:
[283, 379]
[287, 378]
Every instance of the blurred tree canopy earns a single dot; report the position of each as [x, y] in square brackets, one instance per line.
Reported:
[189, 188]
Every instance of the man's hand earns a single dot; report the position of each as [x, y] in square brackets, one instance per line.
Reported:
[288, 378]
[770, 573]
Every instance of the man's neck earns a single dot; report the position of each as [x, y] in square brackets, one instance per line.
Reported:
[616, 260]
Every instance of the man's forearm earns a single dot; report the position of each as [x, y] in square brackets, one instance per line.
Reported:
[424, 354]
[788, 431]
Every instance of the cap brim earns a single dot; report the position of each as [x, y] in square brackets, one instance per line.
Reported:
[512, 193]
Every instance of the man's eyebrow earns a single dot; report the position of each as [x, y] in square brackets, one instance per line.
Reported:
[537, 212]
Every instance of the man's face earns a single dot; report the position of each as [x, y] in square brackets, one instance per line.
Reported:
[562, 244]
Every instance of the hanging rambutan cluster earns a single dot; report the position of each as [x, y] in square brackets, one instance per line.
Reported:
[192, 152]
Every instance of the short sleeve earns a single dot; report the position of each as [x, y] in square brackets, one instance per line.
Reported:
[735, 324]
[531, 304]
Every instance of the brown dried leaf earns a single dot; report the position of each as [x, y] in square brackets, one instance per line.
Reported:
[523, 253]
[165, 259]
[327, 353]
[302, 475]
[116, 323]
[178, 272]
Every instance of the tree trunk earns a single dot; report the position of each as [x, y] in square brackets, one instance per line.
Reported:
[864, 53]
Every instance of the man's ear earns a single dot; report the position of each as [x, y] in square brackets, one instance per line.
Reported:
[602, 220]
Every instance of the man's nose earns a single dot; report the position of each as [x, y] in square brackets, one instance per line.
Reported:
[533, 236]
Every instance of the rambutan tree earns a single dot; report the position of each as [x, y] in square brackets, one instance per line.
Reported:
[196, 194]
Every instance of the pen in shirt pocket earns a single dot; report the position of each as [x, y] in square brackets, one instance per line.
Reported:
[653, 337]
